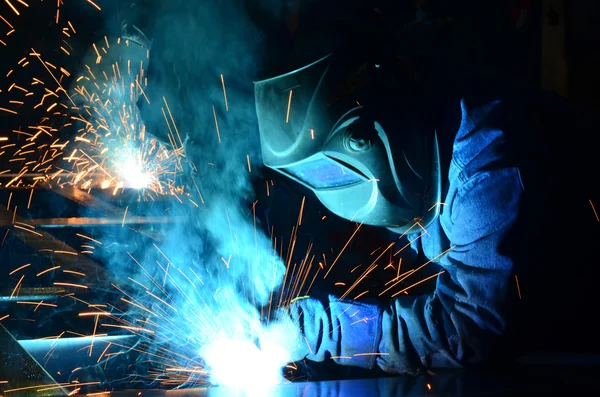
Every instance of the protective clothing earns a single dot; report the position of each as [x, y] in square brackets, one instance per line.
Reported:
[315, 327]
[328, 127]
[462, 321]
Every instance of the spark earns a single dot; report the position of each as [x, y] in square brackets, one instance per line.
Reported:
[104, 352]
[71, 285]
[216, 123]
[173, 121]
[37, 304]
[17, 287]
[88, 238]
[594, 209]
[371, 354]
[96, 314]
[6, 22]
[435, 205]
[63, 252]
[287, 116]
[48, 270]
[20, 268]
[51, 74]
[93, 335]
[12, 7]
[124, 216]
[129, 328]
[30, 197]
[417, 283]
[342, 251]
[60, 386]
[224, 93]
[142, 90]
[160, 300]
[518, 287]
[8, 111]
[417, 269]
[301, 211]
[74, 272]
[94, 4]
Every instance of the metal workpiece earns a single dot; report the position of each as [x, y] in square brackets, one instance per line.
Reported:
[530, 381]
[29, 294]
[90, 359]
[20, 374]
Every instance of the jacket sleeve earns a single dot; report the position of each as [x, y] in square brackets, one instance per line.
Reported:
[462, 321]
[459, 323]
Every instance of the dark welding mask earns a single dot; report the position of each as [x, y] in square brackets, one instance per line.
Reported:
[355, 133]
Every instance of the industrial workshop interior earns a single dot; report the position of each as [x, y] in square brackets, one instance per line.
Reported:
[299, 198]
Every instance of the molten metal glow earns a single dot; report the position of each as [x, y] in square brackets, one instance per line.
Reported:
[133, 174]
[242, 365]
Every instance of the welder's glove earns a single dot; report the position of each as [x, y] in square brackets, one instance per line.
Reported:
[317, 329]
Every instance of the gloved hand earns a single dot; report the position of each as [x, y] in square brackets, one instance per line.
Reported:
[319, 329]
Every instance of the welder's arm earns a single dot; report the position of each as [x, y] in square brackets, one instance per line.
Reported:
[455, 326]
[461, 323]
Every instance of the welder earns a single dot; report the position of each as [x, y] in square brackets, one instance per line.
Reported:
[475, 172]
[471, 170]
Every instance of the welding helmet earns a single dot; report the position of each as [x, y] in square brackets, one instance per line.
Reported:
[355, 132]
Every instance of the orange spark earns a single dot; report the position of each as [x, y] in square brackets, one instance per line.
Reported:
[93, 335]
[301, 211]
[16, 270]
[518, 287]
[16, 287]
[417, 269]
[66, 385]
[38, 304]
[94, 4]
[287, 117]
[342, 251]
[12, 7]
[417, 283]
[594, 209]
[28, 230]
[47, 270]
[88, 238]
[71, 285]
[74, 272]
[8, 111]
[30, 197]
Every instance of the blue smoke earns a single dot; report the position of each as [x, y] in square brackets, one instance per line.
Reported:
[207, 280]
